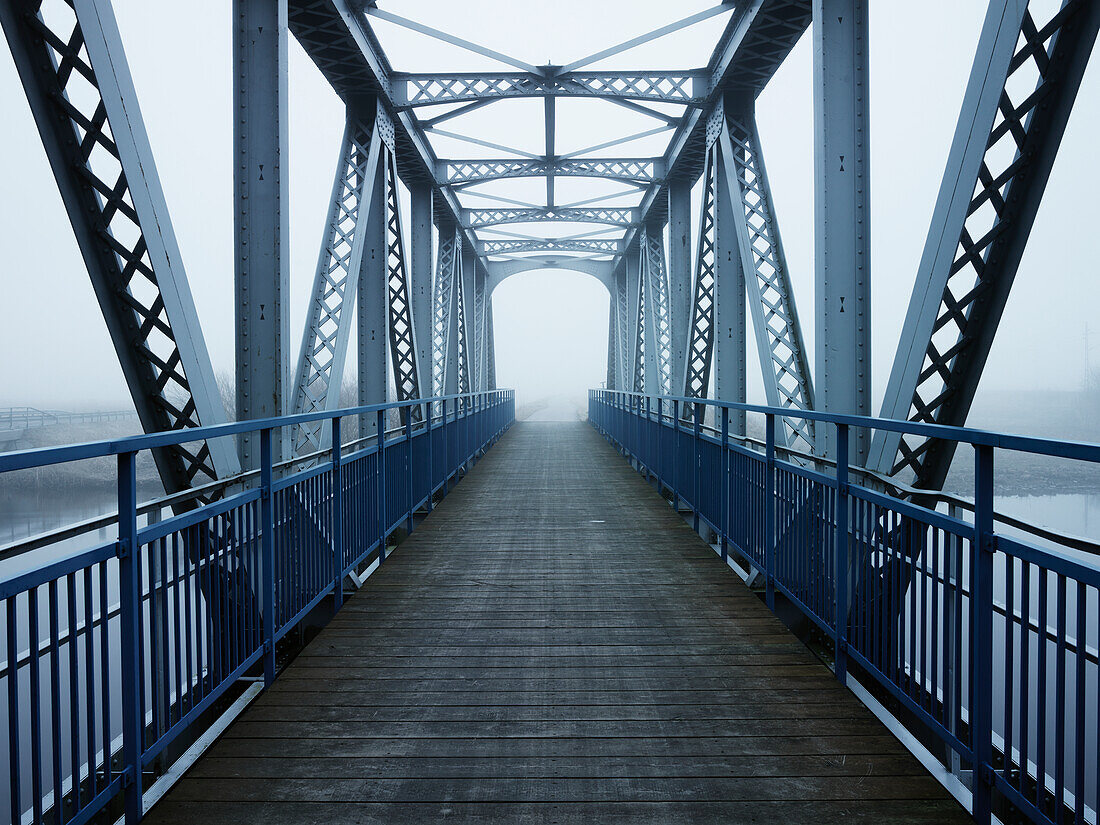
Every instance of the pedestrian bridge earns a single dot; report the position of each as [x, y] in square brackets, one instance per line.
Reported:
[638, 618]
[687, 609]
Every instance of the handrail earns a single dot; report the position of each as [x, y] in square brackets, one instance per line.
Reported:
[984, 641]
[168, 619]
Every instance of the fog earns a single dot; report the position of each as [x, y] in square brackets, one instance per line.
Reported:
[551, 326]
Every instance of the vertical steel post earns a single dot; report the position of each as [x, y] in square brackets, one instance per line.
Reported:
[676, 456]
[409, 469]
[261, 216]
[659, 463]
[679, 276]
[267, 551]
[840, 574]
[730, 351]
[723, 473]
[697, 415]
[130, 641]
[769, 510]
[337, 517]
[981, 620]
[372, 312]
[420, 281]
[842, 215]
[380, 440]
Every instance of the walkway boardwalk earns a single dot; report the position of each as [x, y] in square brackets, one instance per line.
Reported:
[555, 645]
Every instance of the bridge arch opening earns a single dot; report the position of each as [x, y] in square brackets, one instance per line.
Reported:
[550, 330]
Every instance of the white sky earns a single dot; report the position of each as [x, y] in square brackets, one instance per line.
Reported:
[551, 326]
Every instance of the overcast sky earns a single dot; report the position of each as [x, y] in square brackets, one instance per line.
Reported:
[551, 327]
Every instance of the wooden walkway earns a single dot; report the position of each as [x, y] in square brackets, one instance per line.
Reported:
[555, 645]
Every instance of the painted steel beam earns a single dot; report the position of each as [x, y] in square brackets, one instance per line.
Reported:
[414, 90]
[779, 340]
[842, 218]
[679, 276]
[323, 353]
[444, 318]
[463, 319]
[658, 324]
[614, 370]
[611, 216]
[1000, 159]
[729, 364]
[634, 171]
[101, 158]
[404, 355]
[261, 217]
[700, 350]
[628, 289]
[490, 348]
[420, 281]
[607, 247]
[371, 298]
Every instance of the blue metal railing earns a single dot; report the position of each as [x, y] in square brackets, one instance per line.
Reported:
[986, 642]
[115, 656]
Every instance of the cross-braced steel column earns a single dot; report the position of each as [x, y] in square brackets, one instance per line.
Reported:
[679, 275]
[371, 309]
[842, 216]
[327, 333]
[445, 323]
[261, 216]
[730, 354]
[420, 284]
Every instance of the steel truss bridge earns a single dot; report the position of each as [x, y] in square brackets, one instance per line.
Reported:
[970, 636]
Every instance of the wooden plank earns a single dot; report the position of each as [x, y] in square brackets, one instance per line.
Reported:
[554, 644]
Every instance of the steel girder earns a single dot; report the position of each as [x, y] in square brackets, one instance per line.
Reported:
[658, 323]
[490, 348]
[261, 218]
[779, 341]
[640, 349]
[679, 277]
[636, 171]
[728, 358]
[611, 216]
[412, 90]
[444, 350]
[607, 247]
[101, 158]
[478, 360]
[1000, 159]
[842, 217]
[328, 321]
[420, 281]
[461, 329]
[613, 371]
[627, 293]
[402, 332]
[701, 342]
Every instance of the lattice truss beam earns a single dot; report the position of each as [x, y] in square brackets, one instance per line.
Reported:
[401, 331]
[701, 343]
[443, 297]
[658, 321]
[414, 90]
[73, 68]
[323, 355]
[618, 217]
[1026, 76]
[601, 247]
[779, 341]
[634, 171]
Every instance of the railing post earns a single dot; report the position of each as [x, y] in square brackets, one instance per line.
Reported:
[981, 706]
[267, 551]
[129, 585]
[431, 458]
[337, 518]
[409, 469]
[649, 433]
[659, 463]
[697, 416]
[769, 510]
[382, 526]
[723, 472]
[676, 456]
[840, 574]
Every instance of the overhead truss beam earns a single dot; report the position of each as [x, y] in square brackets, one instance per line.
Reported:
[474, 218]
[635, 171]
[607, 247]
[415, 90]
